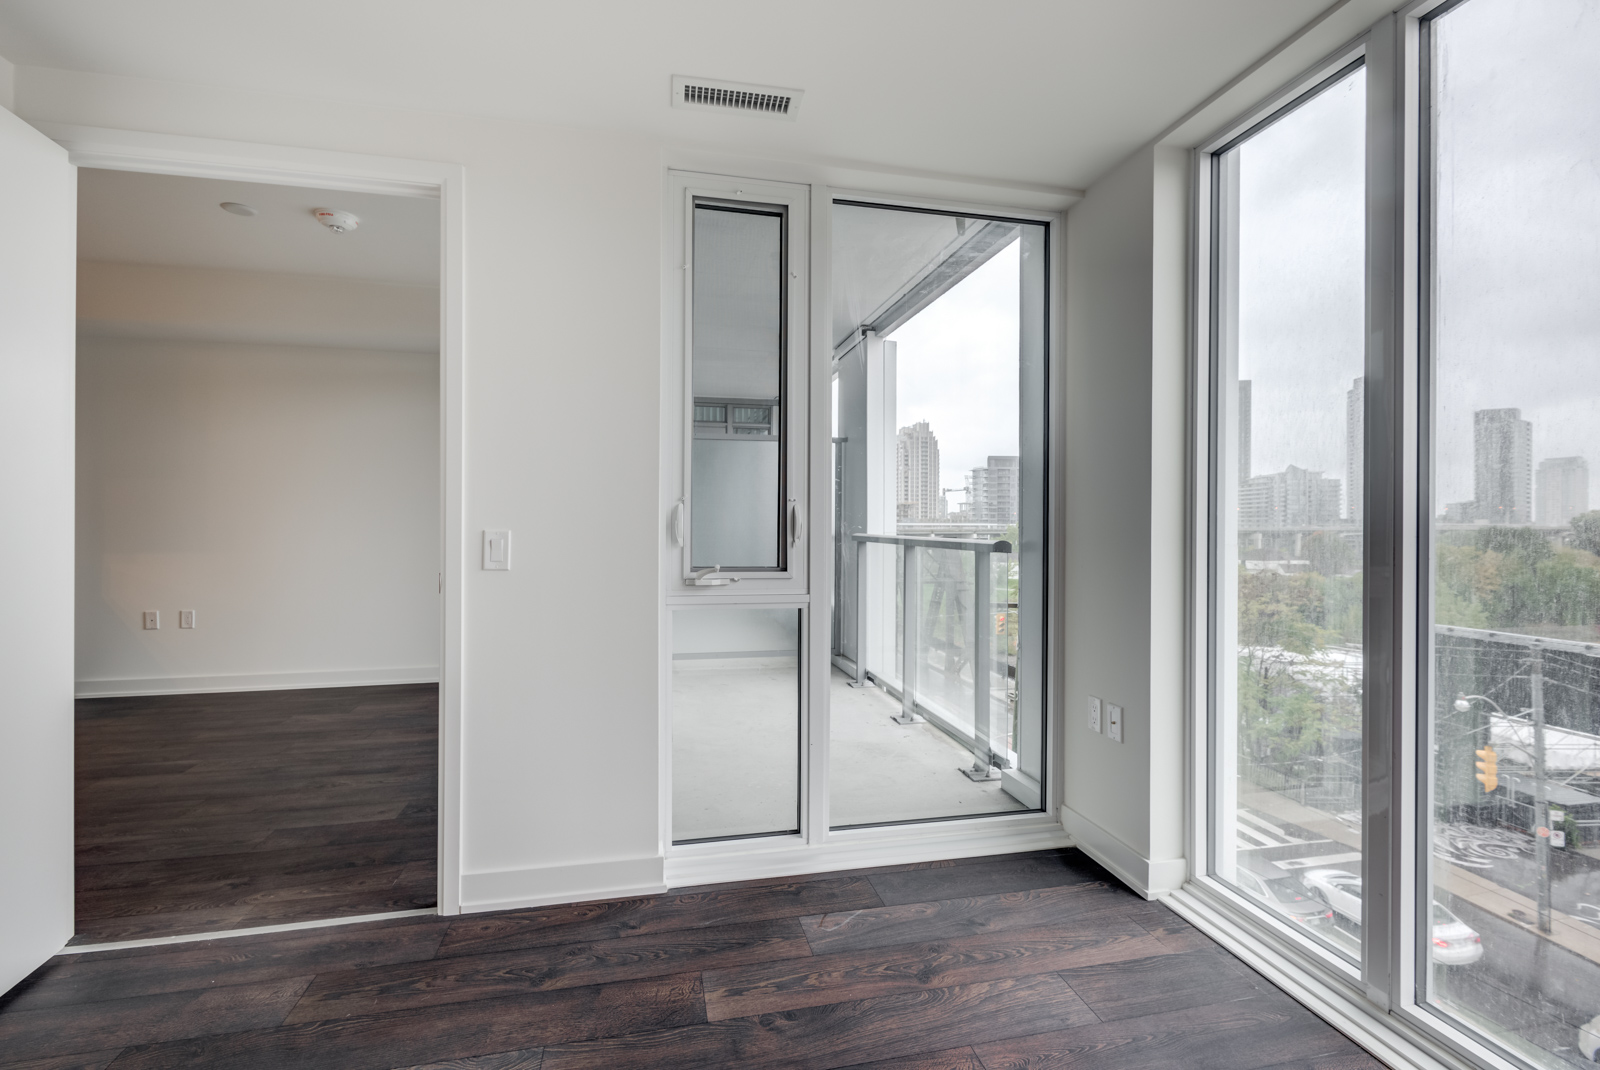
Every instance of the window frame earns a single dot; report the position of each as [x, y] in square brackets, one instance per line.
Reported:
[688, 191]
[818, 847]
[1207, 455]
[1383, 1001]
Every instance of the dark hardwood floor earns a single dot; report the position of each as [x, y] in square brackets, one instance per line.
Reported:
[198, 813]
[1028, 961]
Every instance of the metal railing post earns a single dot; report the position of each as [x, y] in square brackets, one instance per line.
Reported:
[983, 754]
[1541, 805]
[910, 606]
[861, 614]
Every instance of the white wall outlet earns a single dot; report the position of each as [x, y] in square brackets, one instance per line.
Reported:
[1114, 722]
[1094, 714]
[152, 620]
[497, 551]
[186, 618]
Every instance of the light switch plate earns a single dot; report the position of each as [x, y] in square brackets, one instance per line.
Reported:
[1094, 714]
[186, 618]
[1114, 722]
[497, 551]
[152, 620]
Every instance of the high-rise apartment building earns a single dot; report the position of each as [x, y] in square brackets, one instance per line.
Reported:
[1563, 489]
[993, 491]
[1502, 448]
[1292, 498]
[1355, 456]
[917, 492]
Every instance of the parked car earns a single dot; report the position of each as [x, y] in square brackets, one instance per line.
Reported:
[1284, 895]
[1455, 943]
[1589, 1039]
[1587, 913]
[1339, 888]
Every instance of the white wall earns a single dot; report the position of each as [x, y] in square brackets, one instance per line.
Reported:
[122, 300]
[37, 221]
[1125, 518]
[289, 495]
[562, 307]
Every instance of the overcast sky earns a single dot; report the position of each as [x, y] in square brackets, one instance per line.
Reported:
[1301, 271]
[1519, 228]
[1518, 264]
[957, 369]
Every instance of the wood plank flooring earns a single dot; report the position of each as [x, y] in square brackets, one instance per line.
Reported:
[1022, 962]
[197, 813]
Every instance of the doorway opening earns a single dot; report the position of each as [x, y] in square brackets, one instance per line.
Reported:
[258, 555]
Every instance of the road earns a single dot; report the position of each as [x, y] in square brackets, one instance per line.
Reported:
[1537, 988]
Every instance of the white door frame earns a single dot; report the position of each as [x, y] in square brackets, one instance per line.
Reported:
[818, 848]
[127, 150]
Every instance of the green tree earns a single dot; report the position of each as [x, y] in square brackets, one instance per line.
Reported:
[1586, 531]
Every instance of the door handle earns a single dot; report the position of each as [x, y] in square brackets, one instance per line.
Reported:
[677, 523]
[797, 524]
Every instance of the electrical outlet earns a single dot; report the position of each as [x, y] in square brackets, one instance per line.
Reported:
[186, 618]
[1114, 722]
[152, 620]
[1094, 714]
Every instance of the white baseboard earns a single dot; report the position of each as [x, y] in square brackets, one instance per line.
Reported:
[714, 863]
[1150, 878]
[513, 889]
[269, 681]
[1388, 1036]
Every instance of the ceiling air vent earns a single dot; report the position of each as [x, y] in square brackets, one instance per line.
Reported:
[707, 94]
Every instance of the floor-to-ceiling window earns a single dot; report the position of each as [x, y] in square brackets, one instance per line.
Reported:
[1288, 352]
[1399, 312]
[1510, 942]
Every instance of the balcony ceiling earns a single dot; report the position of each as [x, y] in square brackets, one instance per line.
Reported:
[1045, 92]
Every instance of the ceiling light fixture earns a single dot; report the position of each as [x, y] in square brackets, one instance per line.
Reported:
[340, 222]
[237, 209]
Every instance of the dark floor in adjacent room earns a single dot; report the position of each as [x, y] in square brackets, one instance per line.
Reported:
[199, 813]
[1025, 961]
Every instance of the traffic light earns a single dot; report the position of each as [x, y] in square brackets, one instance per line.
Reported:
[1489, 768]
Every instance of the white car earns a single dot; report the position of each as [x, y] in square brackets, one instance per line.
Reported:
[1589, 1039]
[1455, 943]
[1282, 894]
[1339, 888]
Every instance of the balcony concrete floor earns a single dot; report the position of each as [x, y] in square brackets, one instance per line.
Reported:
[736, 754]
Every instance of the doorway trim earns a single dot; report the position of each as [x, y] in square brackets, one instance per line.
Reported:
[285, 165]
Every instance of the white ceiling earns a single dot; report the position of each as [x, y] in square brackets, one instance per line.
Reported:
[1053, 92]
[126, 216]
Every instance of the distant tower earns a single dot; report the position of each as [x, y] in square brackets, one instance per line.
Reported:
[1563, 489]
[1355, 449]
[917, 473]
[1502, 444]
[1244, 431]
[993, 492]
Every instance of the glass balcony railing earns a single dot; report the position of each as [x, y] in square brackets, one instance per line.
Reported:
[954, 645]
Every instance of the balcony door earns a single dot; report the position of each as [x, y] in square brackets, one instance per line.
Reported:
[939, 428]
[893, 427]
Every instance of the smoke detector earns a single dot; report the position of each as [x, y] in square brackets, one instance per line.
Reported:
[711, 94]
[236, 208]
[334, 219]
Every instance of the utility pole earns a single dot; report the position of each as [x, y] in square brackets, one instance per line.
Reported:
[1541, 806]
